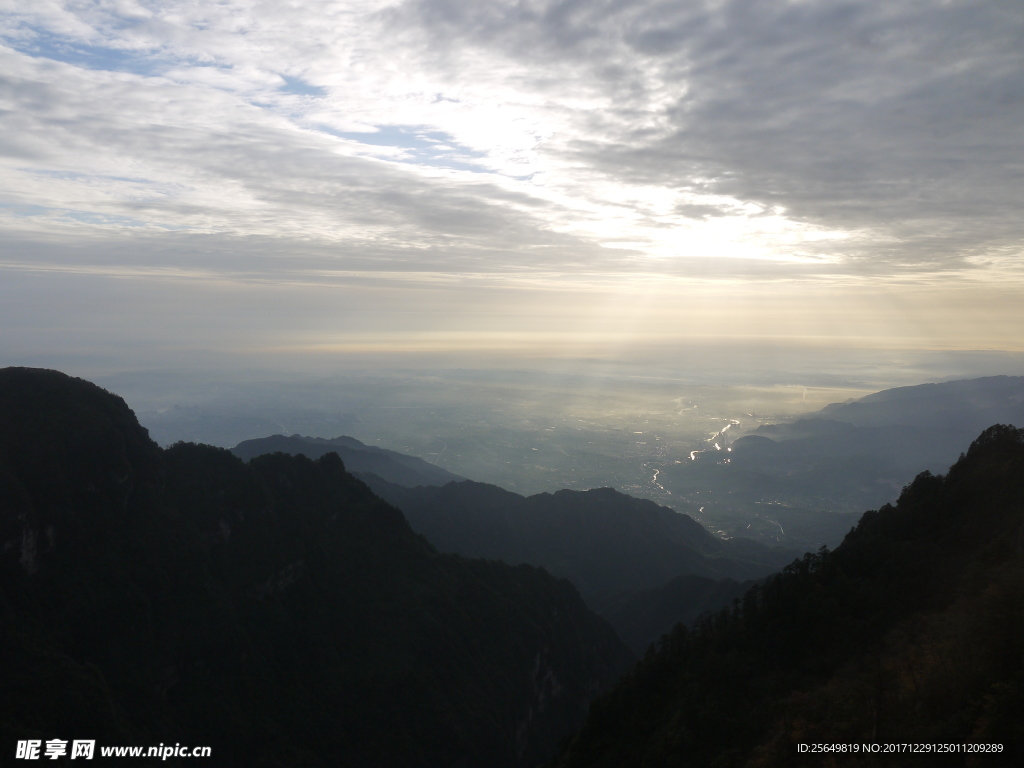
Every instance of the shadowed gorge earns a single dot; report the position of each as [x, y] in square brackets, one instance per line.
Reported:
[277, 610]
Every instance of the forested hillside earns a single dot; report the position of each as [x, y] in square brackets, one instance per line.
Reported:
[911, 631]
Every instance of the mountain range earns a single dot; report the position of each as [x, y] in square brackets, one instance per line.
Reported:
[276, 610]
[614, 548]
[795, 486]
[618, 551]
[910, 632]
[287, 612]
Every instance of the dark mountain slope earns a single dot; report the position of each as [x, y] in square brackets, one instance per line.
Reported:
[912, 631]
[393, 466]
[641, 617]
[276, 611]
[603, 541]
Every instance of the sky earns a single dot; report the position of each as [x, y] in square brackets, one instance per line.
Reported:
[202, 181]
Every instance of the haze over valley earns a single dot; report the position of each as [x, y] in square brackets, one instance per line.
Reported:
[651, 436]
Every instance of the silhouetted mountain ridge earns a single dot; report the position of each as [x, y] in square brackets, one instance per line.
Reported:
[909, 632]
[613, 547]
[391, 465]
[277, 611]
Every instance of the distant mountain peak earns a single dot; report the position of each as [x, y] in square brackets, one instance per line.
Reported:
[359, 458]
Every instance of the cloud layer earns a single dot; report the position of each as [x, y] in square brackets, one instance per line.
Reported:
[538, 141]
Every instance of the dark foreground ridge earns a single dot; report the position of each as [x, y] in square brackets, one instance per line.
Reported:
[277, 611]
[911, 631]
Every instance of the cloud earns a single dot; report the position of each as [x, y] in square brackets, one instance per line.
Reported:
[895, 124]
[842, 142]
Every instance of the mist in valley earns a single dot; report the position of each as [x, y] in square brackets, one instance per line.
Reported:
[646, 428]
